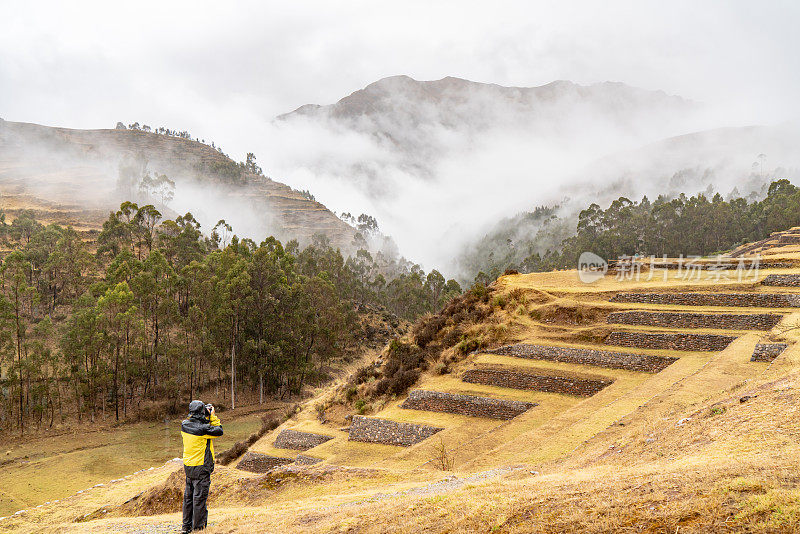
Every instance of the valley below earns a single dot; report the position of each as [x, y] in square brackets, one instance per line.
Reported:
[54, 465]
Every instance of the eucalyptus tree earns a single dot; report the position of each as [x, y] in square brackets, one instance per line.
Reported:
[81, 347]
[22, 295]
[117, 311]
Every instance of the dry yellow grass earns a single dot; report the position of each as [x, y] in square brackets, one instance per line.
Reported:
[707, 445]
[559, 423]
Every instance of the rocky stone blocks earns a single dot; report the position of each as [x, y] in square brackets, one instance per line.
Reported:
[749, 300]
[600, 358]
[436, 401]
[297, 440]
[536, 380]
[730, 321]
[255, 462]
[766, 352]
[302, 459]
[782, 280]
[669, 341]
[386, 432]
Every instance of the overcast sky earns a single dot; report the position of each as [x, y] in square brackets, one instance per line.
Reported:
[223, 70]
[219, 69]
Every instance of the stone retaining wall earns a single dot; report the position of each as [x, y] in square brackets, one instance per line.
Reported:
[600, 358]
[688, 265]
[744, 265]
[789, 240]
[669, 341]
[518, 378]
[766, 352]
[302, 459]
[255, 462]
[437, 401]
[754, 300]
[386, 432]
[785, 280]
[732, 321]
[301, 441]
[775, 265]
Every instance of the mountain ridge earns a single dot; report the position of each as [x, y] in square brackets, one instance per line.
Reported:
[449, 83]
[43, 167]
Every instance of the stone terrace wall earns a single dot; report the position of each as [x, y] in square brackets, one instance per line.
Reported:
[436, 401]
[786, 280]
[302, 459]
[600, 358]
[766, 352]
[687, 265]
[386, 432]
[732, 321]
[753, 300]
[301, 441]
[518, 378]
[669, 341]
[741, 264]
[789, 240]
[255, 462]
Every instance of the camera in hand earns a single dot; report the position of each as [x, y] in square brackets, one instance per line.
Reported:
[209, 409]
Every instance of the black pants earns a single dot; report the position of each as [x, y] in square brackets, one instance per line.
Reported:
[195, 513]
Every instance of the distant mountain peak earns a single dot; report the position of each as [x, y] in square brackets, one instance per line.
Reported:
[402, 92]
[400, 126]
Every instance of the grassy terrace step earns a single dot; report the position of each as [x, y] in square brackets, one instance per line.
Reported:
[784, 280]
[256, 462]
[297, 440]
[748, 300]
[669, 341]
[470, 405]
[536, 379]
[690, 379]
[730, 321]
[601, 358]
[766, 352]
[386, 432]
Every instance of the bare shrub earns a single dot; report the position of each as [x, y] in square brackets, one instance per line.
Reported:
[443, 458]
[427, 328]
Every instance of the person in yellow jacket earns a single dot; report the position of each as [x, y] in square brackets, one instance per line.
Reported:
[198, 431]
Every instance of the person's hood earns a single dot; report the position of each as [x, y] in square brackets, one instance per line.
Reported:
[197, 408]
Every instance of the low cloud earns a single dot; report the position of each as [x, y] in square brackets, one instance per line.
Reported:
[223, 72]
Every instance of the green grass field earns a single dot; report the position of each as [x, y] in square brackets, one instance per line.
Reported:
[48, 468]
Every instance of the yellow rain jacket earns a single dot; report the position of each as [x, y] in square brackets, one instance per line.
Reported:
[198, 432]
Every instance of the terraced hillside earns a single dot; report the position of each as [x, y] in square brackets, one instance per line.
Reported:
[776, 243]
[73, 177]
[577, 358]
[559, 391]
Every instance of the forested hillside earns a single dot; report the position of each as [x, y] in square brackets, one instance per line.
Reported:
[154, 312]
[696, 225]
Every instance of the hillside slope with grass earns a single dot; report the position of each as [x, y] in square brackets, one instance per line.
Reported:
[658, 398]
[75, 177]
